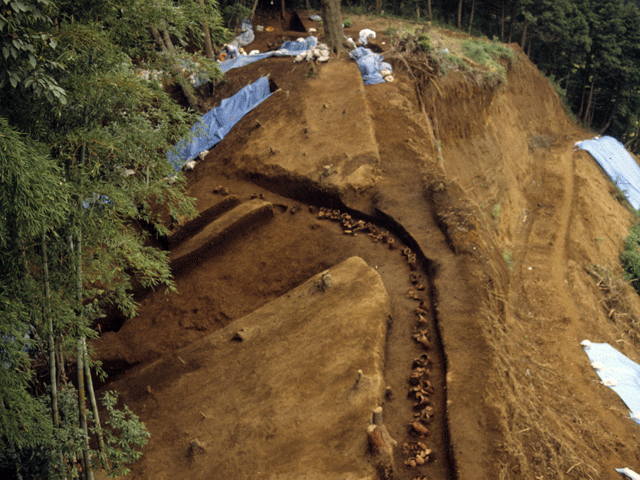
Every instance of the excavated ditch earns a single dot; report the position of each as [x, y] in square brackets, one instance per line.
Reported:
[416, 396]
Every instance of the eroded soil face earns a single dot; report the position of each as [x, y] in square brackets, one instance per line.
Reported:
[502, 225]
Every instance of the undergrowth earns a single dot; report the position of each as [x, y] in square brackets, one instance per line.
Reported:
[616, 303]
[487, 54]
[562, 93]
[480, 62]
[621, 196]
[630, 256]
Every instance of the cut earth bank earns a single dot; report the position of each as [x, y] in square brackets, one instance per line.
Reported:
[260, 367]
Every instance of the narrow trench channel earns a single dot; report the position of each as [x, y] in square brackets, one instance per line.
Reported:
[406, 409]
[415, 406]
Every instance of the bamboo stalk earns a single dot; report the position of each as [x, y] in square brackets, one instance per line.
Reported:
[92, 398]
[52, 344]
[82, 407]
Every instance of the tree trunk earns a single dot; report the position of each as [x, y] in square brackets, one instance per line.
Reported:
[166, 45]
[167, 41]
[379, 7]
[473, 7]
[524, 33]
[332, 23]
[512, 19]
[157, 38]
[429, 10]
[460, 15]
[502, 24]
[582, 97]
[634, 135]
[208, 47]
[588, 112]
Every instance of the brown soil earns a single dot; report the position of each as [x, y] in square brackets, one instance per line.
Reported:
[505, 229]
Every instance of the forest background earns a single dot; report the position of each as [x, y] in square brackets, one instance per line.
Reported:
[93, 94]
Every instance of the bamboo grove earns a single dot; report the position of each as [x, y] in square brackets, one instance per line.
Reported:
[85, 124]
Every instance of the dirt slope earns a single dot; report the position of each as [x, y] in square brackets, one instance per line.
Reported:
[504, 218]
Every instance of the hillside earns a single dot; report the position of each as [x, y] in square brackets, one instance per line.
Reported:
[264, 367]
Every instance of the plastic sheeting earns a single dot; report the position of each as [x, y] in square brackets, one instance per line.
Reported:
[618, 372]
[370, 65]
[618, 164]
[247, 36]
[290, 49]
[629, 473]
[217, 122]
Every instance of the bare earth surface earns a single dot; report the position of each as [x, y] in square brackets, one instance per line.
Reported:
[252, 369]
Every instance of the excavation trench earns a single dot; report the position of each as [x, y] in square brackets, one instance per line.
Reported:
[315, 245]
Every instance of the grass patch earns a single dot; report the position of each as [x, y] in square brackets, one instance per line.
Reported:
[484, 52]
[348, 23]
[495, 213]
[487, 54]
[506, 254]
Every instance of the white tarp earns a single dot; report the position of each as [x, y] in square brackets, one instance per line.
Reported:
[617, 372]
[629, 473]
[618, 163]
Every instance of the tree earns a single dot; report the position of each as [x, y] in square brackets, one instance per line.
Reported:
[332, 23]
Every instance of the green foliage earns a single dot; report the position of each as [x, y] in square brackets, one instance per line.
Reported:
[125, 435]
[86, 174]
[391, 31]
[32, 190]
[424, 42]
[28, 47]
[486, 53]
[506, 255]
[348, 23]
[630, 256]
[495, 212]
[234, 13]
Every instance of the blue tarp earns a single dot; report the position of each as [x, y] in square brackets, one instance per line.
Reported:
[247, 36]
[291, 49]
[370, 65]
[618, 372]
[618, 164]
[217, 122]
